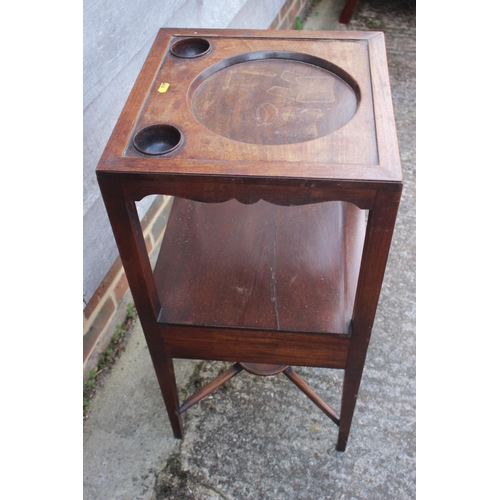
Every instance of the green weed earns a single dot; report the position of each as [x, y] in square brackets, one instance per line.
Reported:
[108, 357]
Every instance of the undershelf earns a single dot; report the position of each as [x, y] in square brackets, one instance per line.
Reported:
[260, 266]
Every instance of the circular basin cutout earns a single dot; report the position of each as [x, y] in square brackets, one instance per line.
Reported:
[190, 47]
[274, 98]
[157, 139]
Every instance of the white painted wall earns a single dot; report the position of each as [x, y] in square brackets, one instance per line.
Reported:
[117, 37]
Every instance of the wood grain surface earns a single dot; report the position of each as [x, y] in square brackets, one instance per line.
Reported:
[286, 141]
[260, 266]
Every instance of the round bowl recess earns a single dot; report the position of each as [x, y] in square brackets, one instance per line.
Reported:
[157, 139]
[190, 47]
[274, 97]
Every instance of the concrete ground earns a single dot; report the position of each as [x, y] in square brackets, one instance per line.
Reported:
[259, 437]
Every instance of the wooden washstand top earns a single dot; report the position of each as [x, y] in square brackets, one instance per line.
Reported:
[259, 105]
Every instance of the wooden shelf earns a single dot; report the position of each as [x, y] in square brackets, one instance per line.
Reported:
[260, 266]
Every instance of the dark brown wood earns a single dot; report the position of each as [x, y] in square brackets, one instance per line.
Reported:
[312, 395]
[283, 192]
[312, 108]
[276, 144]
[211, 387]
[128, 234]
[345, 15]
[254, 266]
[255, 346]
[262, 369]
[349, 60]
[379, 234]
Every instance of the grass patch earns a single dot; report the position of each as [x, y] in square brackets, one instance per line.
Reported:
[108, 358]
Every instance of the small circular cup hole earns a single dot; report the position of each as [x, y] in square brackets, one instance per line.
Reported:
[157, 139]
[190, 47]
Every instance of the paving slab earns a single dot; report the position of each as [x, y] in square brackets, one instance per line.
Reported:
[259, 437]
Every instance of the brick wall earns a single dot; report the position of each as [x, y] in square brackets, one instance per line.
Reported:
[107, 307]
[290, 10]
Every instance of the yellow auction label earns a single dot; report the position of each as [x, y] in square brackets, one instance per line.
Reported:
[163, 87]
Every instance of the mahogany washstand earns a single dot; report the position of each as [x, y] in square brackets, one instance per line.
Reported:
[281, 152]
